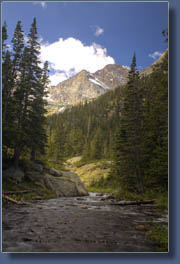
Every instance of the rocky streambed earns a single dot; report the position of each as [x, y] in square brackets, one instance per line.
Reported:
[78, 224]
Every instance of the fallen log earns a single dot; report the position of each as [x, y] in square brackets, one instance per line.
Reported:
[123, 203]
[13, 200]
[10, 199]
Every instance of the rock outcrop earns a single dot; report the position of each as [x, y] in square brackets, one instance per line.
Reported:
[63, 183]
[112, 75]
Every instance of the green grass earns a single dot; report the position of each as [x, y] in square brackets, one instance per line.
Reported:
[55, 165]
[99, 189]
[160, 197]
[38, 194]
[98, 183]
[160, 236]
[162, 200]
[81, 163]
[91, 172]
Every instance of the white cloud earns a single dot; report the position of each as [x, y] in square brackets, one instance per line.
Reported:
[70, 56]
[155, 55]
[126, 67]
[57, 78]
[42, 3]
[99, 31]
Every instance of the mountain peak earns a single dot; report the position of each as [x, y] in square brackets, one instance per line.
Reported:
[83, 72]
[86, 86]
[113, 66]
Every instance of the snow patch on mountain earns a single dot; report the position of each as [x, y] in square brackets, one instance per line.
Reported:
[96, 81]
[61, 109]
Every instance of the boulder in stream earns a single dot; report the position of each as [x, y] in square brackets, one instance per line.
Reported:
[64, 183]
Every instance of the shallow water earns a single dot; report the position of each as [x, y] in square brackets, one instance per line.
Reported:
[77, 224]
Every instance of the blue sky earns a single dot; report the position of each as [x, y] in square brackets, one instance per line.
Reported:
[86, 35]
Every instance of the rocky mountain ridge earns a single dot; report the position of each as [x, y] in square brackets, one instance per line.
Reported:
[87, 86]
[148, 70]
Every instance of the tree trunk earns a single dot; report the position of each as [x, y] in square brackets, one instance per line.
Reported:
[139, 173]
[16, 157]
[33, 154]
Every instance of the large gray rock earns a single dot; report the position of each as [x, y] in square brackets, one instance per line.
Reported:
[72, 177]
[64, 183]
[54, 172]
[14, 174]
[37, 167]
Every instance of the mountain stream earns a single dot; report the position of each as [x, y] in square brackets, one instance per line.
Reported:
[78, 224]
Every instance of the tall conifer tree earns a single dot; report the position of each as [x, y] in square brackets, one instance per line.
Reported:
[30, 90]
[128, 141]
[156, 125]
[4, 38]
[37, 82]
[7, 88]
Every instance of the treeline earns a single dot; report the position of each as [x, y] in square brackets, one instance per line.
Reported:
[86, 129]
[128, 126]
[24, 85]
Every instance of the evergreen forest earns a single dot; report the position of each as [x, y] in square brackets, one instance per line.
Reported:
[127, 126]
[24, 89]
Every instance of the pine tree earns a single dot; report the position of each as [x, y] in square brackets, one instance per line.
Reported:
[4, 38]
[128, 142]
[7, 100]
[6, 71]
[37, 82]
[29, 92]
[7, 84]
[165, 34]
[56, 150]
[156, 126]
[86, 151]
[19, 90]
[96, 145]
[17, 53]
[18, 47]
